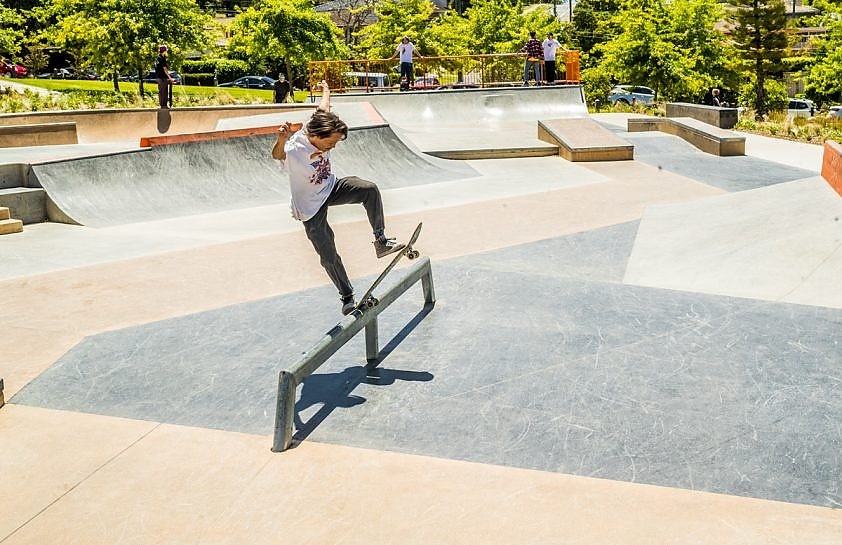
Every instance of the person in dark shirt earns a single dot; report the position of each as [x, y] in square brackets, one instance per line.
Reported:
[534, 55]
[282, 90]
[162, 75]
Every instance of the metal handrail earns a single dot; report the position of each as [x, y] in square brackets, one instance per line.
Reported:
[290, 378]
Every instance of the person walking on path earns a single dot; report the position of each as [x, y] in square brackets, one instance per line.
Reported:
[162, 75]
[550, 45]
[282, 90]
[305, 153]
[406, 49]
[534, 55]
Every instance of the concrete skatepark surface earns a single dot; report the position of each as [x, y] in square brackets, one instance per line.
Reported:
[639, 351]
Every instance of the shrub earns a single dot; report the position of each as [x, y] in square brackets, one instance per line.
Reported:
[203, 79]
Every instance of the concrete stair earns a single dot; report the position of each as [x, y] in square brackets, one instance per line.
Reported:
[7, 224]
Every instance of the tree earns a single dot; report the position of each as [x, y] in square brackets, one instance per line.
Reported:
[289, 30]
[395, 19]
[353, 16]
[10, 30]
[761, 39]
[674, 48]
[824, 78]
[120, 36]
[489, 26]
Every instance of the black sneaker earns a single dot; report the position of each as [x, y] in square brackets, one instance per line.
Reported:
[385, 246]
[348, 305]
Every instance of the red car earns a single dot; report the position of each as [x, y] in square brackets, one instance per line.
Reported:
[12, 70]
[428, 83]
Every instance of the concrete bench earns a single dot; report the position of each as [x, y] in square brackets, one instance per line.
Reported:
[706, 137]
[724, 118]
[832, 165]
[583, 139]
[42, 134]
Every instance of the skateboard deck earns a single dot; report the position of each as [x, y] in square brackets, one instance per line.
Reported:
[368, 300]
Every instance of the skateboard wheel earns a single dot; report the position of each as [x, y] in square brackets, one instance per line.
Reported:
[375, 301]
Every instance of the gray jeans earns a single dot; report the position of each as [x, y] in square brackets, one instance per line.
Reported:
[350, 190]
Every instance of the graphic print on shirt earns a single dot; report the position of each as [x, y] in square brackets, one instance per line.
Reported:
[321, 170]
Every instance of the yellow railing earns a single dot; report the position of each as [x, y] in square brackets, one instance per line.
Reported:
[462, 71]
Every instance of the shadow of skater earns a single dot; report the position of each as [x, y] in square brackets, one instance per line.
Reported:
[332, 390]
[164, 121]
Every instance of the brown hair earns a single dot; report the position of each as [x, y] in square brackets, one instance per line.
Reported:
[324, 124]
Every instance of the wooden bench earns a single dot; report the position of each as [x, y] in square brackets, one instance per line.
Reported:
[724, 118]
[706, 137]
[41, 134]
[583, 139]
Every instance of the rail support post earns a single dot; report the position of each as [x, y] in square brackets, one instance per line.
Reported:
[284, 412]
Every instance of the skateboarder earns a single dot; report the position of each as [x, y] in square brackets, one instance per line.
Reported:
[305, 152]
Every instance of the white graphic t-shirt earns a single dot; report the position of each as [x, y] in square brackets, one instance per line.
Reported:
[405, 51]
[310, 178]
[549, 48]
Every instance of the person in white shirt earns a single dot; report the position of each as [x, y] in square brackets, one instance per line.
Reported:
[550, 45]
[406, 49]
[305, 153]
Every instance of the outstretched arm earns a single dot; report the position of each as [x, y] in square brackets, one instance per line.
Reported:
[324, 103]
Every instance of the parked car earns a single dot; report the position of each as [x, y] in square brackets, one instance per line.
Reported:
[251, 82]
[631, 94]
[801, 107]
[150, 77]
[428, 83]
[834, 111]
[365, 79]
[12, 69]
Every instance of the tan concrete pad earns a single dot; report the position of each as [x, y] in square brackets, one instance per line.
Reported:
[45, 454]
[183, 485]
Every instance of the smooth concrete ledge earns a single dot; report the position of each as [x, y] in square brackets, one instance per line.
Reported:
[583, 139]
[38, 134]
[724, 118]
[832, 165]
[508, 153]
[28, 204]
[151, 141]
[113, 125]
[705, 137]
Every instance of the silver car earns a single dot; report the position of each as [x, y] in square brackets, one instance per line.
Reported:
[631, 94]
[834, 111]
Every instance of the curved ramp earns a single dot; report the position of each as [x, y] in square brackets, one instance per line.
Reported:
[487, 108]
[216, 175]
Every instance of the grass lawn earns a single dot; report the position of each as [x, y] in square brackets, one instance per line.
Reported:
[126, 87]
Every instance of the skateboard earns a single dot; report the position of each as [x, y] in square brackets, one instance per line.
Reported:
[368, 300]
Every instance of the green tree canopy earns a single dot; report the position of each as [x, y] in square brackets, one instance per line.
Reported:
[286, 30]
[122, 36]
[10, 30]
[824, 78]
[760, 37]
[395, 19]
[674, 47]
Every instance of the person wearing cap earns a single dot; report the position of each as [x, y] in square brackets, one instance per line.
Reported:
[162, 74]
[550, 45]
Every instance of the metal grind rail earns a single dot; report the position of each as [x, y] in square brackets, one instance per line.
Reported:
[289, 379]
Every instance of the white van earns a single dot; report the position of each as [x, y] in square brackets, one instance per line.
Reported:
[365, 80]
[800, 107]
